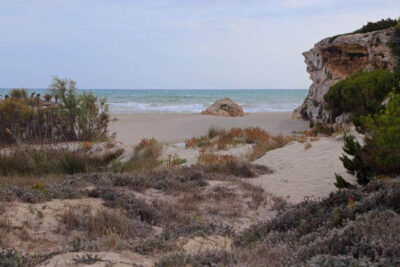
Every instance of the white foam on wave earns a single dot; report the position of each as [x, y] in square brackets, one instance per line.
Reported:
[156, 108]
[268, 107]
[135, 107]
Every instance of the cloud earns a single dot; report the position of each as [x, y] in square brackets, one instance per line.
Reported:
[172, 43]
[300, 3]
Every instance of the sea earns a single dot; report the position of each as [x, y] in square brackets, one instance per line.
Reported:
[192, 100]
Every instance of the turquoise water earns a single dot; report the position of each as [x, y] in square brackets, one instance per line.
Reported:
[189, 101]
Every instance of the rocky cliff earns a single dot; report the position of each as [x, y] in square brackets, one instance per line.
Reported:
[335, 58]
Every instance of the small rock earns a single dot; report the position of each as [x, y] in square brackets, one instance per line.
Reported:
[342, 121]
[224, 107]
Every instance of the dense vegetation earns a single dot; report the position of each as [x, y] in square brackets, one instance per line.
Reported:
[29, 161]
[357, 227]
[379, 25]
[361, 94]
[395, 43]
[373, 101]
[380, 155]
[71, 117]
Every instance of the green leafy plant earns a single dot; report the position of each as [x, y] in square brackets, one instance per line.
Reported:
[361, 94]
[27, 161]
[380, 155]
[71, 117]
[379, 25]
[145, 157]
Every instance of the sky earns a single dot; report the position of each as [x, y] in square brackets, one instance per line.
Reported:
[172, 44]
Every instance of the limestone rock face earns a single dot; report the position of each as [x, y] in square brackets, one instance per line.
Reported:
[224, 107]
[335, 58]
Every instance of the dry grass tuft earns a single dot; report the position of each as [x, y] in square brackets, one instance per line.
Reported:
[145, 157]
[210, 158]
[257, 194]
[307, 145]
[230, 165]
[112, 225]
[219, 139]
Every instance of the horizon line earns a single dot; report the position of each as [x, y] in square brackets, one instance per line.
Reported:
[38, 88]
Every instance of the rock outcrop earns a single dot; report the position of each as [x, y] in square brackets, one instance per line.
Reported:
[335, 58]
[224, 107]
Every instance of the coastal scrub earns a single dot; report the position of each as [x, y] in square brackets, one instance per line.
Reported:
[70, 117]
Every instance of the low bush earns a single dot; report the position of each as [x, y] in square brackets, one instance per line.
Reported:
[30, 161]
[379, 25]
[145, 157]
[229, 165]
[356, 226]
[208, 258]
[155, 213]
[361, 94]
[101, 223]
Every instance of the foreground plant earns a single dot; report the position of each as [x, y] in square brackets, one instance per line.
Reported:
[356, 227]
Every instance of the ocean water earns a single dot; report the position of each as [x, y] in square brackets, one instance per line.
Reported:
[193, 101]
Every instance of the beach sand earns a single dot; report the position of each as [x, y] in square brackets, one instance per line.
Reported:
[174, 128]
[301, 173]
[298, 172]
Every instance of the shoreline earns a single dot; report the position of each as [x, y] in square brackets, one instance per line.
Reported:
[176, 127]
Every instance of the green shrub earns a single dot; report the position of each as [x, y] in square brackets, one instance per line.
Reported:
[361, 94]
[379, 25]
[145, 157]
[395, 43]
[380, 154]
[26, 161]
[330, 226]
[83, 117]
[382, 142]
[19, 93]
[72, 117]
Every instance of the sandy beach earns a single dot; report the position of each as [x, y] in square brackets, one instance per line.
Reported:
[174, 128]
[298, 173]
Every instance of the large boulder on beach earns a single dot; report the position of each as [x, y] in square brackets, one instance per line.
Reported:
[224, 107]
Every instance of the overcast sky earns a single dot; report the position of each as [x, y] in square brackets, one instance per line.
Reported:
[158, 44]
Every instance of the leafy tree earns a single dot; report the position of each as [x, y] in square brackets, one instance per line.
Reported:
[380, 154]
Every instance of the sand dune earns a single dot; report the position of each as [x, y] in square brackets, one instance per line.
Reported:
[301, 173]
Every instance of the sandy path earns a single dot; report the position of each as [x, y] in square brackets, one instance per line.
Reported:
[301, 173]
[173, 128]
